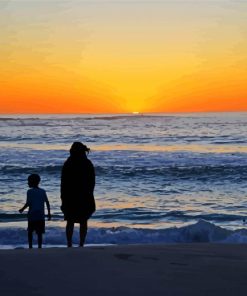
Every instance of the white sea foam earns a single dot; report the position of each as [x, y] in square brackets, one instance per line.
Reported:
[201, 231]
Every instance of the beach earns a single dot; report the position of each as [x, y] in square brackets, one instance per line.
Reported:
[158, 269]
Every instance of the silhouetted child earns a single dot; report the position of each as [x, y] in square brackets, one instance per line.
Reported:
[36, 198]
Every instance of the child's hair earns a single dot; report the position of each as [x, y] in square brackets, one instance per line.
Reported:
[34, 179]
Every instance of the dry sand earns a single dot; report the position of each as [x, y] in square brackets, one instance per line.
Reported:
[181, 269]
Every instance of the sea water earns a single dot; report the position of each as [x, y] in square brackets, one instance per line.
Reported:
[159, 177]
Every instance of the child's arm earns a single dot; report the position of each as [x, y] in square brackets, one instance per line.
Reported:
[23, 208]
[48, 209]
[27, 204]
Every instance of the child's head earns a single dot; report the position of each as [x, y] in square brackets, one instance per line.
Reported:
[33, 180]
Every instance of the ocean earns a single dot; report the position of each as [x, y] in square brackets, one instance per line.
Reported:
[160, 178]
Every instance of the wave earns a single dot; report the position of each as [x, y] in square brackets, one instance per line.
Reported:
[185, 172]
[140, 215]
[13, 170]
[202, 231]
[8, 217]
[199, 172]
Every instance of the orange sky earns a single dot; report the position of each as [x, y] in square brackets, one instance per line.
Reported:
[99, 57]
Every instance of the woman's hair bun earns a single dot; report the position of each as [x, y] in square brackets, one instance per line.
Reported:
[78, 148]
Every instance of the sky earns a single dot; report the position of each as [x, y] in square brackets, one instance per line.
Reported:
[123, 56]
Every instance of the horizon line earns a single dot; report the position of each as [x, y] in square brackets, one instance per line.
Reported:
[129, 113]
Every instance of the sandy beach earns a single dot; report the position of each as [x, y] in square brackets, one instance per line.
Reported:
[181, 269]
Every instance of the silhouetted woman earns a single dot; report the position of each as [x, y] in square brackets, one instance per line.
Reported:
[77, 186]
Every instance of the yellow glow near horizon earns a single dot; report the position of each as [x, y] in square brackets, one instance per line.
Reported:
[99, 57]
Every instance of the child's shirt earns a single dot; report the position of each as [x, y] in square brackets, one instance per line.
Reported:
[36, 198]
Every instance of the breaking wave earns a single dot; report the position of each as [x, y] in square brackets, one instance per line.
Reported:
[202, 231]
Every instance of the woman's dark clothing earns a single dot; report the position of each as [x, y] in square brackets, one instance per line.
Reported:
[77, 186]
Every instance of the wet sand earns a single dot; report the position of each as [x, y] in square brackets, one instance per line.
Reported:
[181, 269]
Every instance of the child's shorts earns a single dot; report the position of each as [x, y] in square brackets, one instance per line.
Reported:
[37, 226]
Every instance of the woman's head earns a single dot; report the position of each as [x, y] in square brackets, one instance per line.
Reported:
[78, 149]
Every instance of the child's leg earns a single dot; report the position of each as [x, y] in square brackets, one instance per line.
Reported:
[30, 239]
[69, 232]
[39, 240]
[83, 232]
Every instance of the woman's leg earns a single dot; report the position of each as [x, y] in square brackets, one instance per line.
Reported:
[83, 232]
[30, 239]
[69, 232]
[39, 240]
